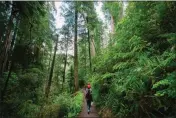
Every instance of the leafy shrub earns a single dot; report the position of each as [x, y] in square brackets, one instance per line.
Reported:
[76, 105]
[63, 106]
[28, 109]
[166, 86]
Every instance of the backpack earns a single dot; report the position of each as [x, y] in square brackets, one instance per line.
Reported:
[89, 95]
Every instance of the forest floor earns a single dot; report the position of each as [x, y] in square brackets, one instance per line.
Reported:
[93, 112]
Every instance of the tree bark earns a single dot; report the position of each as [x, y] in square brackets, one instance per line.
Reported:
[7, 43]
[85, 58]
[88, 33]
[49, 61]
[65, 61]
[6, 82]
[12, 44]
[51, 71]
[93, 49]
[75, 50]
[15, 34]
[10, 65]
[71, 78]
[112, 24]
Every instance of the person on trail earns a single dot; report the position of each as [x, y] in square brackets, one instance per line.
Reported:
[88, 97]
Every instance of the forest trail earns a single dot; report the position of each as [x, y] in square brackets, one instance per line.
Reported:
[93, 113]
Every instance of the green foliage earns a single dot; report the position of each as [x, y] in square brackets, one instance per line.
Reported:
[28, 109]
[76, 105]
[30, 60]
[114, 9]
[64, 105]
[134, 76]
[23, 93]
[58, 106]
[167, 86]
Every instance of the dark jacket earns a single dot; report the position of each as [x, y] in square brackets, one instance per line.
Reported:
[89, 96]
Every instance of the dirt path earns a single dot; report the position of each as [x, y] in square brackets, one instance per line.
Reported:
[93, 113]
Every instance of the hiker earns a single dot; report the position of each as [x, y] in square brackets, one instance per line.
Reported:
[88, 97]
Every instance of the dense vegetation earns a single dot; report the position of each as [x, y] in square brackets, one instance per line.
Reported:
[131, 68]
[30, 84]
[135, 75]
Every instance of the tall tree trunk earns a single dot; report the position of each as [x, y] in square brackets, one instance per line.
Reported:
[71, 79]
[112, 24]
[90, 61]
[6, 82]
[12, 43]
[51, 71]
[75, 50]
[65, 61]
[10, 65]
[49, 61]
[7, 43]
[89, 47]
[112, 43]
[30, 31]
[85, 58]
[15, 34]
[93, 49]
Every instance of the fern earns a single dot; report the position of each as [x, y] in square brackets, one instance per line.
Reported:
[169, 84]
